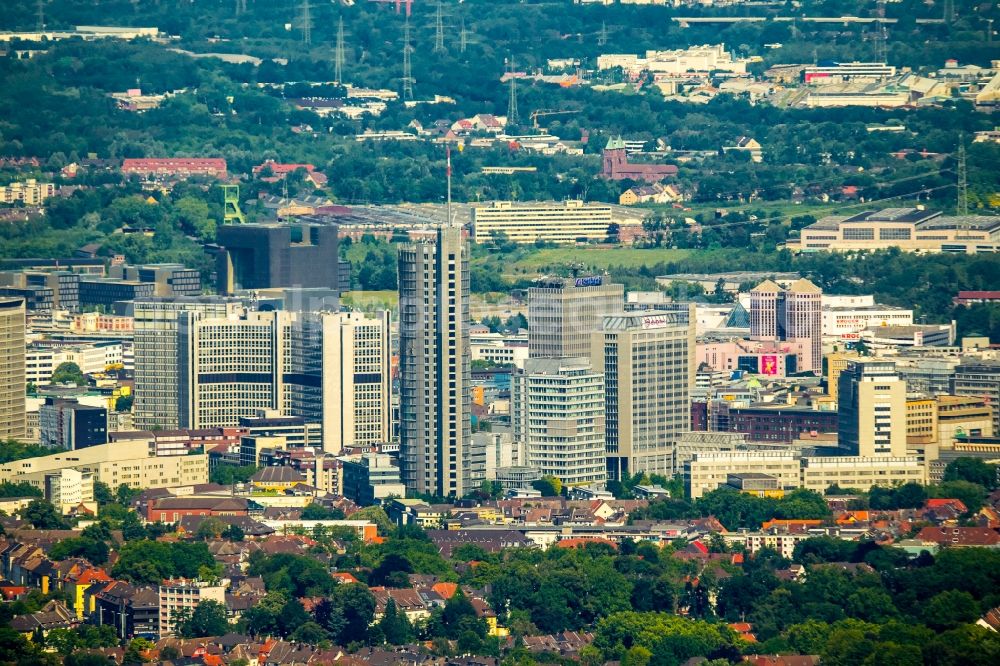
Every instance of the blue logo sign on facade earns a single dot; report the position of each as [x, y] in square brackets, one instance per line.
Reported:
[592, 281]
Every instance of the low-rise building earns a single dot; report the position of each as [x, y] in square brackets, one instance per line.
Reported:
[370, 478]
[567, 222]
[909, 229]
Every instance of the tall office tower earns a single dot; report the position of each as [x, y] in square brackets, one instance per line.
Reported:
[981, 379]
[357, 356]
[263, 256]
[229, 368]
[564, 312]
[434, 364]
[649, 371]
[558, 417]
[13, 421]
[156, 369]
[871, 410]
[330, 369]
[792, 315]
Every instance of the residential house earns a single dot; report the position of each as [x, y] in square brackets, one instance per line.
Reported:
[656, 193]
[748, 145]
[279, 171]
[960, 537]
[54, 615]
[172, 509]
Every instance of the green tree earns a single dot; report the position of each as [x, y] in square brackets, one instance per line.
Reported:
[972, 470]
[207, 619]
[146, 561]
[395, 626]
[137, 648]
[19, 489]
[43, 516]
[309, 633]
[210, 528]
[68, 372]
[314, 511]
[971, 495]
[549, 486]
[950, 609]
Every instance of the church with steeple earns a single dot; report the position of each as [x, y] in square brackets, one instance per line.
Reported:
[616, 165]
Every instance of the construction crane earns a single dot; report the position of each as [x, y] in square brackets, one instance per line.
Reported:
[540, 113]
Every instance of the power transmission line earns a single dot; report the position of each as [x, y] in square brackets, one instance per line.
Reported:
[338, 54]
[602, 38]
[512, 101]
[463, 37]
[438, 31]
[306, 23]
[962, 207]
[407, 72]
[41, 15]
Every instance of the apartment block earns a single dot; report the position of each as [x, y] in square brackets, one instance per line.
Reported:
[791, 315]
[819, 473]
[180, 595]
[370, 478]
[67, 424]
[168, 280]
[980, 379]
[706, 471]
[30, 192]
[129, 462]
[909, 229]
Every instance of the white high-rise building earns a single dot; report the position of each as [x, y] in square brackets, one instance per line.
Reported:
[329, 368]
[435, 365]
[648, 360]
[871, 401]
[13, 419]
[794, 315]
[156, 363]
[558, 417]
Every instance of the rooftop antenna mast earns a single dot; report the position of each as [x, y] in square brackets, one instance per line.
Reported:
[438, 30]
[448, 175]
[338, 54]
[962, 207]
[407, 70]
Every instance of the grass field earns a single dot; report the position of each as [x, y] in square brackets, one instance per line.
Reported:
[596, 258]
[370, 300]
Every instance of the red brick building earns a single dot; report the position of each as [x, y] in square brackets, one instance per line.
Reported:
[616, 166]
[175, 167]
[172, 509]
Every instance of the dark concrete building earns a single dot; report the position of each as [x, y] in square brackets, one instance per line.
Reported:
[167, 279]
[43, 291]
[780, 424]
[66, 424]
[264, 256]
[102, 293]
